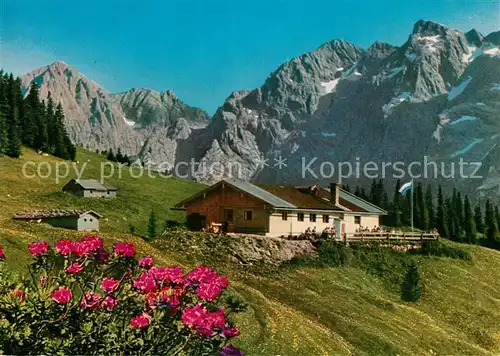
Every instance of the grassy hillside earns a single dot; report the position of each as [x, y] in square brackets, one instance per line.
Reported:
[292, 310]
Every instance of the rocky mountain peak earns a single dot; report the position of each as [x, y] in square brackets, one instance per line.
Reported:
[494, 38]
[474, 37]
[380, 50]
[429, 28]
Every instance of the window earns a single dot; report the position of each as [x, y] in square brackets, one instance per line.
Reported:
[357, 220]
[248, 215]
[228, 215]
[284, 215]
[91, 220]
[326, 219]
[300, 216]
[85, 219]
[312, 217]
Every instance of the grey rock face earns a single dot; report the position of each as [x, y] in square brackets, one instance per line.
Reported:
[437, 95]
[140, 122]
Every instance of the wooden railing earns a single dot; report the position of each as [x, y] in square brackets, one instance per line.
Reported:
[388, 236]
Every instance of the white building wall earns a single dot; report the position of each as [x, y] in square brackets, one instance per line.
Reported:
[367, 221]
[291, 226]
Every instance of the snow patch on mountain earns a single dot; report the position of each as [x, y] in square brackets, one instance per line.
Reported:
[396, 71]
[329, 87]
[495, 87]
[463, 118]
[467, 148]
[456, 91]
[328, 134]
[128, 122]
[387, 108]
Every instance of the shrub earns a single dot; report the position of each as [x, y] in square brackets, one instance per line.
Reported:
[334, 254]
[436, 248]
[81, 299]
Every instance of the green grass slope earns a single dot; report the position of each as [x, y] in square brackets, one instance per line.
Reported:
[292, 311]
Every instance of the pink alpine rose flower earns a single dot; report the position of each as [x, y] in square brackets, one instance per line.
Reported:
[230, 332]
[146, 262]
[90, 301]
[64, 247]
[2, 254]
[109, 284]
[140, 321]
[145, 283]
[75, 268]
[109, 303]
[38, 248]
[62, 295]
[124, 249]
[167, 274]
[208, 291]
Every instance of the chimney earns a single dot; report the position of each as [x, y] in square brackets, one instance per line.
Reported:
[334, 193]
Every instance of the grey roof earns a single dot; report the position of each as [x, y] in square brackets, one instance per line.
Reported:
[259, 193]
[93, 184]
[367, 206]
[44, 214]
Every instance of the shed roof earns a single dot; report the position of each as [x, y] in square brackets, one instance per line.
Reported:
[45, 214]
[92, 184]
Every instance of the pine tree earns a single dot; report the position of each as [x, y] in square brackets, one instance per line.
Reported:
[31, 116]
[470, 225]
[3, 135]
[491, 224]
[421, 212]
[441, 215]
[152, 225]
[119, 156]
[12, 120]
[59, 133]
[52, 129]
[410, 288]
[111, 156]
[451, 219]
[396, 210]
[497, 216]
[429, 203]
[478, 219]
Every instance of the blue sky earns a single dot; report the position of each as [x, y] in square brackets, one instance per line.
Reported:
[205, 49]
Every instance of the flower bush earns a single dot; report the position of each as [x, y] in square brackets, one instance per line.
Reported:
[81, 299]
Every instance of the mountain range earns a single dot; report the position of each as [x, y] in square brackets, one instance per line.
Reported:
[437, 95]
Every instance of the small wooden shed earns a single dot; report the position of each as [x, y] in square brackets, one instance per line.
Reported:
[80, 220]
[89, 188]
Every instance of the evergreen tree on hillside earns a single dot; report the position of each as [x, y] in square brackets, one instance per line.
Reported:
[429, 203]
[451, 219]
[61, 146]
[32, 113]
[50, 118]
[396, 210]
[470, 225]
[491, 224]
[119, 156]
[459, 210]
[152, 225]
[441, 215]
[13, 148]
[478, 219]
[111, 156]
[3, 134]
[410, 288]
[42, 133]
[421, 209]
[497, 216]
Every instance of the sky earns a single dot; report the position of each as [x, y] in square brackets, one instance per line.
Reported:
[205, 49]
